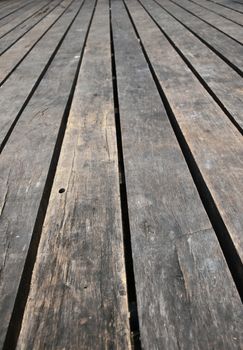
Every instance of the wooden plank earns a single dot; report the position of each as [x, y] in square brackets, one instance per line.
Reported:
[233, 30]
[23, 16]
[87, 294]
[30, 71]
[214, 142]
[223, 11]
[11, 58]
[235, 6]
[23, 174]
[11, 11]
[223, 81]
[186, 297]
[221, 44]
[17, 33]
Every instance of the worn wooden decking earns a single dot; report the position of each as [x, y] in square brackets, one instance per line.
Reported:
[121, 174]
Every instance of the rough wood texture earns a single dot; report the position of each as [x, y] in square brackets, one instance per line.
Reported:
[13, 92]
[228, 48]
[225, 83]
[79, 280]
[12, 36]
[186, 296]
[222, 11]
[27, 158]
[234, 30]
[214, 142]
[13, 56]
[10, 11]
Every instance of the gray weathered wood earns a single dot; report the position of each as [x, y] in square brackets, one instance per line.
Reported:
[223, 11]
[213, 140]
[11, 10]
[85, 261]
[225, 83]
[186, 296]
[234, 30]
[26, 159]
[223, 44]
[13, 92]
[13, 56]
[235, 6]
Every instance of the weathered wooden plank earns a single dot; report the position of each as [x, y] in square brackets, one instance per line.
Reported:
[224, 82]
[14, 93]
[235, 6]
[223, 45]
[234, 30]
[186, 297]
[23, 17]
[23, 174]
[85, 261]
[13, 36]
[215, 143]
[11, 58]
[11, 10]
[223, 11]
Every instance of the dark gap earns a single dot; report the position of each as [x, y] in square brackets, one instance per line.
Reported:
[5, 140]
[131, 287]
[211, 25]
[194, 71]
[232, 65]
[228, 7]
[24, 286]
[219, 14]
[15, 10]
[24, 20]
[62, 190]
[21, 60]
[230, 253]
[21, 36]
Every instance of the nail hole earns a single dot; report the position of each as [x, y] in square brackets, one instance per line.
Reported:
[62, 190]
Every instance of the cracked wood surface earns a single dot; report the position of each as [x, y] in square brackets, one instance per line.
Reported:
[81, 247]
[182, 280]
[34, 137]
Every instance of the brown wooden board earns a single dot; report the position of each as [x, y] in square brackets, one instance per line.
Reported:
[216, 145]
[10, 59]
[79, 280]
[222, 11]
[26, 167]
[225, 46]
[14, 93]
[234, 30]
[186, 296]
[223, 81]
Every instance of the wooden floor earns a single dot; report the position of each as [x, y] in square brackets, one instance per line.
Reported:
[121, 174]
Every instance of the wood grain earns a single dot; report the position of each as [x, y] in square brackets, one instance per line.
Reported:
[16, 53]
[34, 137]
[186, 296]
[13, 92]
[79, 280]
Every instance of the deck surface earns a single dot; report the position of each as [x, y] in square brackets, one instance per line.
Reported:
[121, 167]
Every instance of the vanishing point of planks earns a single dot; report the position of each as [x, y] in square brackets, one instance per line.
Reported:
[121, 167]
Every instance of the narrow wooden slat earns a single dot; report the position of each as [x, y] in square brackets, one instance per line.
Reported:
[223, 11]
[16, 53]
[234, 30]
[235, 6]
[14, 93]
[13, 36]
[225, 83]
[186, 296]
[11, 11]
[25, 16]
[23, 173]
[79, 280]
[217, 40]
[214, 142]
